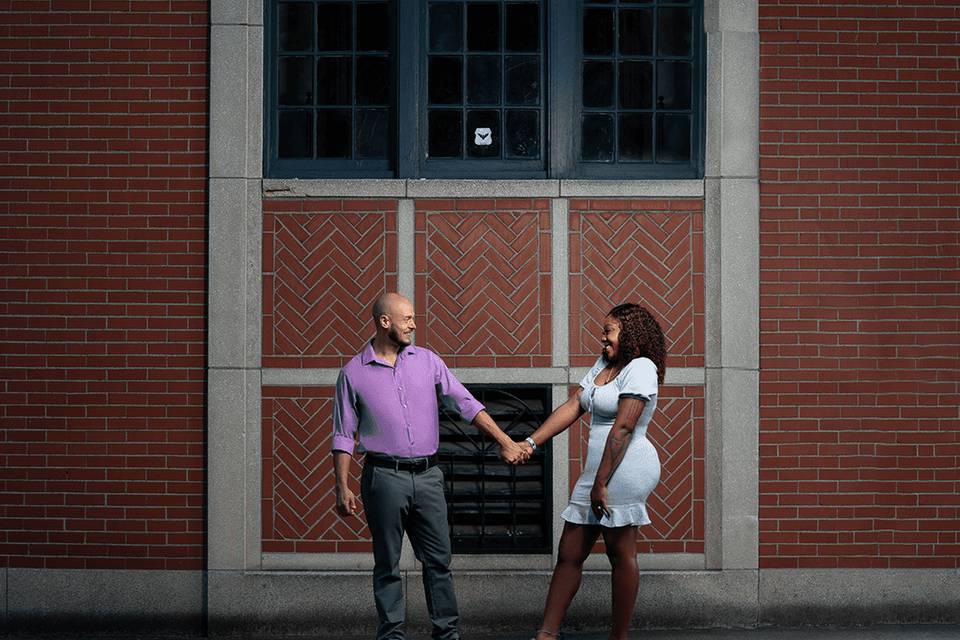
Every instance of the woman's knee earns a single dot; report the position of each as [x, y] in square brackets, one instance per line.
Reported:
[622, 557]
[571, 559]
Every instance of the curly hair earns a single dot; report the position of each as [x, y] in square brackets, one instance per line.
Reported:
[640, 337]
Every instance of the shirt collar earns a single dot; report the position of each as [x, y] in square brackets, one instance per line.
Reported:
[367, 356]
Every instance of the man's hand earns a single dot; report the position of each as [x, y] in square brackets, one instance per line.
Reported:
[513, 453]
[347, 504]
[598, 501]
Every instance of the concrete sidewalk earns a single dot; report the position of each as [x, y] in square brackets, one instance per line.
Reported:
[885, 632]
[882, 632]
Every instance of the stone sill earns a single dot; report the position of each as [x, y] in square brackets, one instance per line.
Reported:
[423, 188]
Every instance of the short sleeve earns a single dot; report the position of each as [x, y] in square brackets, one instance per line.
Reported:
[591, 375]
[639, 379]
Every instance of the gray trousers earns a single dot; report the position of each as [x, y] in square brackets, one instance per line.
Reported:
[398, 501]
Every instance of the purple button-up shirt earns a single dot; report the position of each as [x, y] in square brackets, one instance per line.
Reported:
[394, 409]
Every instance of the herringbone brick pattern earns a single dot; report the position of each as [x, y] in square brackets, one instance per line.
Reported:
[649, 252]
[298, 504]
[483, 281]
[324, 262]
[676, 506]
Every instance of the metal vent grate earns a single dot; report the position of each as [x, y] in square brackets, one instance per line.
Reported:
[494, 506]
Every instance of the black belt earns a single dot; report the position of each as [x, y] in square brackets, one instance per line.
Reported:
[416, 465]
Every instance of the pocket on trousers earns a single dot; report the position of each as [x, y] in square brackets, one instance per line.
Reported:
[368, 479]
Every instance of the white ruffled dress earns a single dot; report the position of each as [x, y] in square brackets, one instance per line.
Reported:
[639, 472]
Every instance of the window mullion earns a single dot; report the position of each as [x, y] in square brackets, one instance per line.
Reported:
[563, 73]
[410, 75]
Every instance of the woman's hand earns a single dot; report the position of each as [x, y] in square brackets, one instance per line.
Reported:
[527, 448]
[598, 501]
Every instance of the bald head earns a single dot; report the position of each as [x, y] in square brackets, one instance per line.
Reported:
[387, 305]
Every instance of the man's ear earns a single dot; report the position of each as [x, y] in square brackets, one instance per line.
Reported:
[385, 321]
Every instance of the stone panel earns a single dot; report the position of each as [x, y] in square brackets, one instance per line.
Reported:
[324, 263]
[298, 507]
[645, 251]
[677, 504]
[483, 281]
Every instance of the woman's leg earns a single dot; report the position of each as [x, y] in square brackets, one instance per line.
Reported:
[575, 544]
[621, 546]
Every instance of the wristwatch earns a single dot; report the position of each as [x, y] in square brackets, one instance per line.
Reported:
[531, 442]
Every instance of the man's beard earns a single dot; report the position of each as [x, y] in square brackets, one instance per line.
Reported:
[398, 338]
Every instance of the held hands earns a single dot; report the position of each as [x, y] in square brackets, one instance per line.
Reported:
[515, 453]
[598, 501]
[527, 448]
[347, 503]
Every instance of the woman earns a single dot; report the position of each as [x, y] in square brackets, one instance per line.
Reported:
[620, 393]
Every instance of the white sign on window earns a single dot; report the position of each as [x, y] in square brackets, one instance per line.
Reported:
[482, 136]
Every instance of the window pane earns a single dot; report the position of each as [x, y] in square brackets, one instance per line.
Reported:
[295, 134]
[483, 27]
[333, 81]
[373, 132]
[596, 140]
[673, 138]
[598, 32]
[334, 26]
[373, 80]
[444, 80]
[333, 133]
[636, 137]
[597, 84]
[295, 81]
[483, 80]
[483, 134]
[673, 85]
[636, 84]
[523, 80]
[523, 27]
[373, 22]
[523, 134]
[445, 27]
[294, 23]
[636, 33]
[444, 134]
[675, 32]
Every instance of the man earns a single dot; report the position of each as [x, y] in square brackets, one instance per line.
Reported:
[387, 398]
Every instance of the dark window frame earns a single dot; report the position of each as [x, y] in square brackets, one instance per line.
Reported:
[485, 167]
[275, 167]
[560, 98]
[637, 170]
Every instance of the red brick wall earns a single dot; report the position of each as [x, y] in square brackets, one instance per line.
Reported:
[102, 209]
[483, 281]
[860, 343]
[483, 265]
[298, 507]
[644, 251]
[324, 262]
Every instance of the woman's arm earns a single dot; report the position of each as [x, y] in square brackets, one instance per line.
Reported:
[561, 418]
[629, 410]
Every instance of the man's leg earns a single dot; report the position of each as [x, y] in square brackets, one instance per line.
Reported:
[386, 498]
[430, 537]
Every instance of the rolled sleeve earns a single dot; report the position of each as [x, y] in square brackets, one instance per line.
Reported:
[454, 391]
[345, 419]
